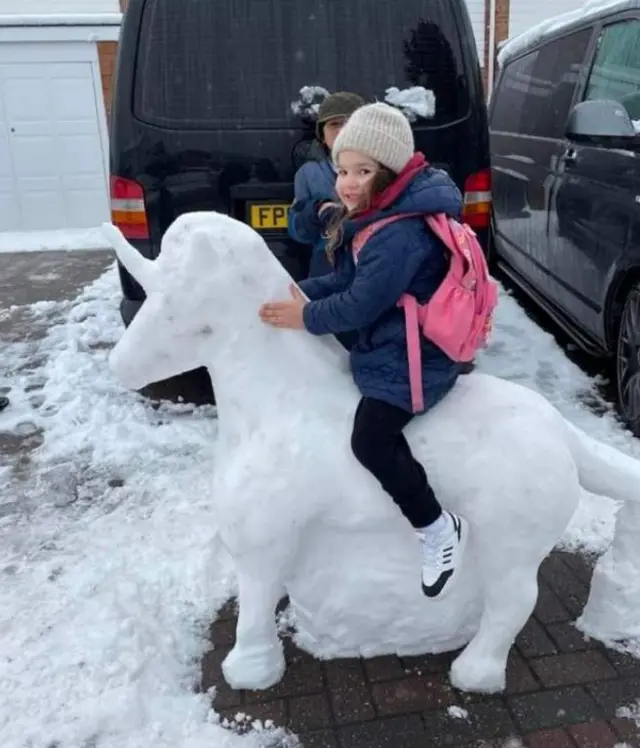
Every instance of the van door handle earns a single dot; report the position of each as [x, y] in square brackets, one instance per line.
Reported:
[570, 156]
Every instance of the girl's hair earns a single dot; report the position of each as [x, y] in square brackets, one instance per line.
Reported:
[381, 180]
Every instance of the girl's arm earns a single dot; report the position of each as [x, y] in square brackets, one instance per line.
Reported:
[387, 265]
[324, 285]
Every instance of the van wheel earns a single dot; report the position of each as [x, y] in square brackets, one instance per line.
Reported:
[628, 361]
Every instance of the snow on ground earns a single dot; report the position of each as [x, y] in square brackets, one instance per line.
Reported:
[110, 566]
[109, 561]
[39, 241]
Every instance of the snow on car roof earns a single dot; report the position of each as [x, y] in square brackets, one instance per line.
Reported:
[592, 10]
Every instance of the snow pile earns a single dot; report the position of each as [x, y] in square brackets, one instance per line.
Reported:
[636, 125]
[110, 565]
[309, 101]
[457, 712]
[414, 102]
[630, 712]
[51, 241]
[592, 8]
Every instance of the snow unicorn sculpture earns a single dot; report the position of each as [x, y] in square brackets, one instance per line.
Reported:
[299, 515]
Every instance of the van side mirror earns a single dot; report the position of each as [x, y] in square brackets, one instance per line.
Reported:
[599, 119]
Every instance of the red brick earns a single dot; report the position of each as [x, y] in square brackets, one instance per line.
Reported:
[549, 739]
[300, 679]
[572, 668]
[520, 679]
[348, 690]
[319, 739]
[594, 735]
[384, 668]
[411, 695]
[309, 713]
[533, 640]
[107, 52]
[628, 730]
[223, 633]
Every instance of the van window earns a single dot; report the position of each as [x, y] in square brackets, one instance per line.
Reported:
[234, 63]
[538, 88]
[616, 68]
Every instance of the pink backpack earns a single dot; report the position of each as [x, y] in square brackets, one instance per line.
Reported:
[458, 317]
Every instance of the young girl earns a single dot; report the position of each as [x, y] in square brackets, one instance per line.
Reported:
[379, 175]
[314, 184]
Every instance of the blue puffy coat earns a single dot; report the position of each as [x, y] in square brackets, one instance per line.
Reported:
[403, 256]
[314, 184]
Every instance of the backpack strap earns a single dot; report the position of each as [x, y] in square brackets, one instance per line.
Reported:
[412, 330]
[362, 237]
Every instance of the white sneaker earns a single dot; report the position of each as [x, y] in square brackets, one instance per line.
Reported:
[442, 553]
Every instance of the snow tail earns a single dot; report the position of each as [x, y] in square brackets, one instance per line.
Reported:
[603, 469]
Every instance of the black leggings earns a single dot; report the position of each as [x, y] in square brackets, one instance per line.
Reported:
[379, 445]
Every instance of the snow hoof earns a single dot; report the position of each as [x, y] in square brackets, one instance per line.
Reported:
[478, 675]
[254, 668]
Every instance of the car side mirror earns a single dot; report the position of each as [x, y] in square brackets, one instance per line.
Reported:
[599, 119]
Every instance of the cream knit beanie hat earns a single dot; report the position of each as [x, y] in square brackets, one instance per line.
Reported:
[381, 132]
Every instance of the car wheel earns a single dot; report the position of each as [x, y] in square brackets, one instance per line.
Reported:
[628, 361]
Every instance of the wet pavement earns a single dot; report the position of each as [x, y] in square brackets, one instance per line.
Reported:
[563, 690]
[25, 279]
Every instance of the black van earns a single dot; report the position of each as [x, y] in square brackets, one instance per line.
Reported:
[204, 114]
[565, 124]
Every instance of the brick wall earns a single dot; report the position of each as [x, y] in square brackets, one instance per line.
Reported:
[502, 29]
[107, 55]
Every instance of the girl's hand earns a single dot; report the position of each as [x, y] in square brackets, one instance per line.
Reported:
[327, 206]
[286, 314]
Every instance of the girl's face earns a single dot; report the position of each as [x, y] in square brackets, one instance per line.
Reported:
[331, 130]
[354, 183]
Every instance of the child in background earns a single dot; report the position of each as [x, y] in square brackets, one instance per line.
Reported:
[314, 184]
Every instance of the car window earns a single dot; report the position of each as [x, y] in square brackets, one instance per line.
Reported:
[537, 89]
[616, 68]
[553, 85]
[238, 63]
[509, 98]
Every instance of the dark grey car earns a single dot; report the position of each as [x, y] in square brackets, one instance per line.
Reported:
[564, 126]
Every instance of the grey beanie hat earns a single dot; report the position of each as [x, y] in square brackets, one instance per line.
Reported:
[381, 132]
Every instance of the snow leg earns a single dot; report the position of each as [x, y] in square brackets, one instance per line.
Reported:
[482, 665]
[613, 608]
[256, 661]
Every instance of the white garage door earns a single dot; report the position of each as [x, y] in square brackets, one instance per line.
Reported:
[52, 151]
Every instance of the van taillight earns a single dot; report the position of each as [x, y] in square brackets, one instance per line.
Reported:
[127, 208]
[476, 210]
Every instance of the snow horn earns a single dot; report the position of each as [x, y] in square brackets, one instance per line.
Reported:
[140, 268]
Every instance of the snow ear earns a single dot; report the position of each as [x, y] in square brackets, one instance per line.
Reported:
[202, 256]
[139, 267]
